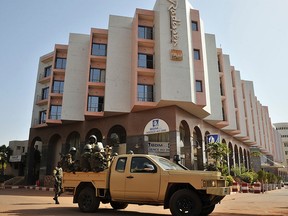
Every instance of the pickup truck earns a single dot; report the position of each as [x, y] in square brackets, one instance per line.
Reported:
[148, 180]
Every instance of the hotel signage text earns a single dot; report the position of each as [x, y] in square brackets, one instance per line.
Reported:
[174, 22]
[175, 54]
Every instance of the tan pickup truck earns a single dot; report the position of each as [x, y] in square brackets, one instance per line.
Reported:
[148, 180]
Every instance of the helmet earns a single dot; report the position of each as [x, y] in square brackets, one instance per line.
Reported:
[97, 148]
[72, 149]
[92, 139]
[87, 147]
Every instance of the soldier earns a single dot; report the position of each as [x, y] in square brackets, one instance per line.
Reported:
[63, 162]
[73, 151]
[58, 175]
[67, 161]
[98, 161]
[85, 158]
[108, 155]
[70, 157]
[92, 141]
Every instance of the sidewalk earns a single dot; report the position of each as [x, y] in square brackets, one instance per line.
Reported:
[26, 187]
[272, 202]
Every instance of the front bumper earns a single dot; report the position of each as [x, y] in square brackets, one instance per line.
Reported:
[219, 191]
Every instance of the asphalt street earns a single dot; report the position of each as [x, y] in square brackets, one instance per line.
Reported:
[28, 202]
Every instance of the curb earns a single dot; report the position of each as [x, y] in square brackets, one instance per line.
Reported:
[27, 187]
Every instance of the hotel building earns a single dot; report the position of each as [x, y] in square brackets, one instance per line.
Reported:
[282, 128]
[158, 81]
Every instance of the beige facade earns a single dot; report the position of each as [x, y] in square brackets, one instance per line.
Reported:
[282, 150]
[158, 81]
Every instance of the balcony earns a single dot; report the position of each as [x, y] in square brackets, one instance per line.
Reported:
[146, 71]
[38, 124]
[96, 85]
[44, 79]
[146, 43]
[41, 101]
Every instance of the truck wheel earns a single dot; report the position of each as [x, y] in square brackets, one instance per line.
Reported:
[207, 210]
[185, 202]
[87, 201]
[118, 205]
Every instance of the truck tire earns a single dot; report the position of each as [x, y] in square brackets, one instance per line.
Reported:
[185, 202]
[207, 210]
[118, 205]
[87, 201]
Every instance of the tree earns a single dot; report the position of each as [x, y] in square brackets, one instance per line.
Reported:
[218, 152]
[5, 153]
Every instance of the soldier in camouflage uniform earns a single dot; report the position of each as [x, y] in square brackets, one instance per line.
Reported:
[58, 175]
[67, 161]
[85, 158]
[98, 161]
[108, 155]
[92, 141]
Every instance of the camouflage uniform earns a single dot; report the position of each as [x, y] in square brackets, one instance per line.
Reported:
[85, 158]
[58, 175]
[98, 162]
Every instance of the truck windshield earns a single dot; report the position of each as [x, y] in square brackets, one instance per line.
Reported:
[166, 164]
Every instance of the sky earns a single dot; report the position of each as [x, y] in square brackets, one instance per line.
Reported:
[253, 33]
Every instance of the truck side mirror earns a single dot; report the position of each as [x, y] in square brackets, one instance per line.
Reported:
[176, 158]
[149, 168]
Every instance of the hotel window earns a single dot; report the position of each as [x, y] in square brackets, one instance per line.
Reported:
[99, 49]
[60, 63]
[55, 112]
[95, 104]
[58, 86]
[145, 60]
[194, 26]
[145, 32]
[45, 93]
[196, 54]
[223, 111]
[42, 117]
[199, 86]
[97, 75]
[47, 71]
[145, 93]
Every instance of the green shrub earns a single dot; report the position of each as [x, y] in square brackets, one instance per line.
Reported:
[247, 177]
[229, 180]
[262, 176]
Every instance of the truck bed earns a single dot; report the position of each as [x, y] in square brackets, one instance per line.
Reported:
[72, 180]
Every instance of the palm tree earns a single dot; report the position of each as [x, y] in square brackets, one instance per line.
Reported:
[5, 153]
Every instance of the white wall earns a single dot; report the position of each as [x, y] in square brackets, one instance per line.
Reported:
[248, 92]
[213, 94]
[240, 105]
[174, 80]
[118, 71]
[76, 76]
[230, 105]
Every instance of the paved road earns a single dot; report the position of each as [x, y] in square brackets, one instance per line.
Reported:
[26, 202]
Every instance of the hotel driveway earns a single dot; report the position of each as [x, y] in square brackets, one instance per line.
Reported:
[22, 202]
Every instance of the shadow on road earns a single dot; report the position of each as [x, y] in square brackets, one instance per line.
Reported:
[75, 211]
[275, 213]
[63, 211]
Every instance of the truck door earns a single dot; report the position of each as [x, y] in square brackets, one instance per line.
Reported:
[118, 178]
[142, 180]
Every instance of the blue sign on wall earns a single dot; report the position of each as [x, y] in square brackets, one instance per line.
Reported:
[213, 138]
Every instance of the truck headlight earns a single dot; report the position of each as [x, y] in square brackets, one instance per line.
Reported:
[209, 183]
[213, 183]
